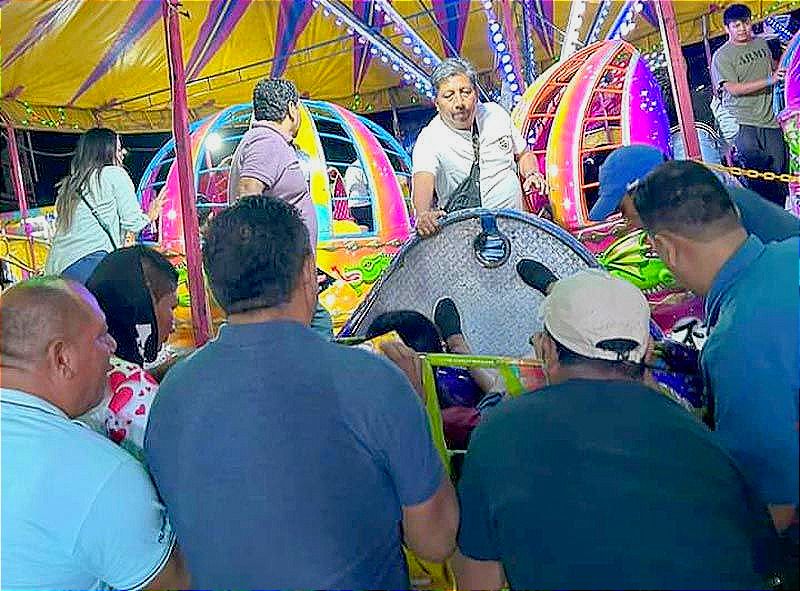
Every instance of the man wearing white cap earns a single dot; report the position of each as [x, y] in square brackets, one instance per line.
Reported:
[598, 481]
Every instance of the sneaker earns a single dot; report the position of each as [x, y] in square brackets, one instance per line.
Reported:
[447, 318]
[535, 274]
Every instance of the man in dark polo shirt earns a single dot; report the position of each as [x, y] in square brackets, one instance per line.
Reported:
[266, 162]
[598, 481]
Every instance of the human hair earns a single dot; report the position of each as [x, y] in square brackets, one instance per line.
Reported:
[453, 66]
[416, 330]
[625, 369]
[254, 253]
[272, 97]
[159, 274]
[687, 199]
[736, 12]
[127, 284]
[96, 149]
[35, 311]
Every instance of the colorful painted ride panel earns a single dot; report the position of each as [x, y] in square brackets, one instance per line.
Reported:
[789, 118]
[24, 246]
[350, 255]
[573, 116]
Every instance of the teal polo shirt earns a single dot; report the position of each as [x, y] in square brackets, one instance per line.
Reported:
[751, 364]
[78, 511]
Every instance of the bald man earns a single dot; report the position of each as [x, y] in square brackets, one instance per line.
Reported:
[78, 512]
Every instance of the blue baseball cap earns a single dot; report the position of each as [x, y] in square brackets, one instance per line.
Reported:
[623, 166]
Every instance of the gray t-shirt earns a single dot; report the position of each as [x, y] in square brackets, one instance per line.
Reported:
[266, 155]
[746, 63]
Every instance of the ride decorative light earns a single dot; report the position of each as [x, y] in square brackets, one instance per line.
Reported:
[379, 47]
[213, 142]
[419, 48]
[599, 21]
[571, 39]
[626, 20]
[503, 58]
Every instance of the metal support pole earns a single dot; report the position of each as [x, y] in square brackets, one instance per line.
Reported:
[707, 51]
[19, 187]
[676, 65]
[180, 129]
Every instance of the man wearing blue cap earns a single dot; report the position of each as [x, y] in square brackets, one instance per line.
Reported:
[627, 164]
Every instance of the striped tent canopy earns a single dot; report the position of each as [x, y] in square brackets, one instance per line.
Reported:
[72, 64]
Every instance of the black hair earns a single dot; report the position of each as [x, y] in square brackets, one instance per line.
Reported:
[272, 97]
[685, 198]
[127, 284]
[568, 357]
[736, 12]
[254, 253]
[416, 330]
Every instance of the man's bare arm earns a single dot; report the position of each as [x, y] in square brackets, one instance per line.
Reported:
[745, 88]
[430, 527]
[174, 575]
[422, 197]
[477, 574]
[782, 515]
[249, 186]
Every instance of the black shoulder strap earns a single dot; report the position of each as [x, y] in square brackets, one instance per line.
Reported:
[476, 147]
[100, 222]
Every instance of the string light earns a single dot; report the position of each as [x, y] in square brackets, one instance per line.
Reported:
[572, 41]
[778, 24]
[33, 118]
[503, 57]
[599, 21]
[626, 20]
[420, 50]
[389, 55]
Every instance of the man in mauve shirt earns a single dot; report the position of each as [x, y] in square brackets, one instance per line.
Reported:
[266, 161]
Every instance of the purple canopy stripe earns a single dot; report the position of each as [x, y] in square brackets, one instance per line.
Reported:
[649, 13]
[57, 17]
[144, 16]
[292, 20]
[451, 18]
[217, 27]
[542, 16]
[4, 2]
[362, 58]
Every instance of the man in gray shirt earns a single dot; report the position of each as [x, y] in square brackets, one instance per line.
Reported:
[267, 162]
[743, 68]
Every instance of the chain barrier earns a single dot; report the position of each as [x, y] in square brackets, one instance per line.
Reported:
[766, 175]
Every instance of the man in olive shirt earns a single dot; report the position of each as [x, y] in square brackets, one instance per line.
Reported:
[743, 68]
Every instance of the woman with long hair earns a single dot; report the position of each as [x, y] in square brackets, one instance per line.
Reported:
[95, 207]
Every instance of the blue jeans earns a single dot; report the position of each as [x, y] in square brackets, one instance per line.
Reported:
[83, 268]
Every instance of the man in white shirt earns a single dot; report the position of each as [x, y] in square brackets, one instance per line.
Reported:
[443, 154]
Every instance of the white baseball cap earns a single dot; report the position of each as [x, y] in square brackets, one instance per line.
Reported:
[592, 314]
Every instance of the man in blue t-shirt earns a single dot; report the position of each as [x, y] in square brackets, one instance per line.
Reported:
[287, 461]
[627, 164]
[750, 362]
[598, 481]
[78, 511]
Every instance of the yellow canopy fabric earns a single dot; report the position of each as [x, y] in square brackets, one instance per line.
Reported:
[73, 64]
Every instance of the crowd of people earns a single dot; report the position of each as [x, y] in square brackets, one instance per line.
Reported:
[274, 456]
